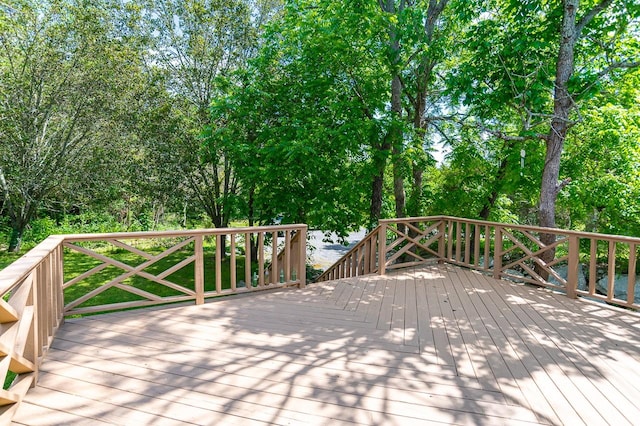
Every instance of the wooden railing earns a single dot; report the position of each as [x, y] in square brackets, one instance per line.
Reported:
[30, 313]
[598, 266]
[289, 254]
[150, 274]
[106, 272]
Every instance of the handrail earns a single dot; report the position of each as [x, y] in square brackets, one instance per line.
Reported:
[33, 289]
[509, 251]
[540, 229]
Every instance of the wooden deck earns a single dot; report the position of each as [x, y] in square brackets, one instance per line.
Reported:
[431, 345]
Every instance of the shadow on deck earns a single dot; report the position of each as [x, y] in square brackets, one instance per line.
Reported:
[425, 345]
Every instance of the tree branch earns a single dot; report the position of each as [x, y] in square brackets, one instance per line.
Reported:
[442, 133]
[412, 99]
[433, 13]
[606, 71]
[592, 13]
[619, 64]
[504, 136]
[365, 107]
[562, 184]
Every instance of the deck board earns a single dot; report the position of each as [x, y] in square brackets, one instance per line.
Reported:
[427, 345]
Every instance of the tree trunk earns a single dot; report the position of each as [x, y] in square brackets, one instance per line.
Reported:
[396, 138]
[398, 184]
[376, 196]
[15, 239]
[394, 134]
[414, 207]
[219, 222]
[423, 78]
[562, 105]
[253, 241]
[500, 175]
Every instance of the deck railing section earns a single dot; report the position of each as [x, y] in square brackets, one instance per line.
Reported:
[290, 252]
[127, 270]
[31, 310]
[148, 268]
[598, 266]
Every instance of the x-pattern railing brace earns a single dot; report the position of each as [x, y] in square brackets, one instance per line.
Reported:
[131, 271]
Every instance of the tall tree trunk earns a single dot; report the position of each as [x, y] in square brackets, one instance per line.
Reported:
[562, 105]
[414, 207]
[500, 175]
[19, 217]
[15, 238]
[377, 187]
[218, 222]
[423, 78]
[396, 132]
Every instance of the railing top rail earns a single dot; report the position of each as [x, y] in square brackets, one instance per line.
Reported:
[583, 234]
[14, 273]
[180, 233]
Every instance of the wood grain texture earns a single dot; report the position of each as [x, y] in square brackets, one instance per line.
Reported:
[429, 345]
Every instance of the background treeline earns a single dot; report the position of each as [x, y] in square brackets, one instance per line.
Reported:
[136, 115]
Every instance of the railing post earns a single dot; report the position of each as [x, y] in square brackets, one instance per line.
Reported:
[367, 257]
[59, 281]
[442, 229]
[220, 248]
[232, 262]
[497, 253]
[33, 346]
[302, 258]
[248, 282]
[487, 246]
[572, 272]
[287, 256]
[275, 272]
[611, 270]
[631, 283]
[382, 249]
[199, 270]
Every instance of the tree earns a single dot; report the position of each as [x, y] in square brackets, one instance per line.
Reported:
[413, 53]
[303, 119]
[55, 97]
[197, 44]
[517, 78]
[602, 158]
[607, 16]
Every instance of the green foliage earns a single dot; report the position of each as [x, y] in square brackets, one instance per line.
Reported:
[299, 138]
[162, 113]
[58, 100]
[602, 159]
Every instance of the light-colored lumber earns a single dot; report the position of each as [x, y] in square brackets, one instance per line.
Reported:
[431, 345]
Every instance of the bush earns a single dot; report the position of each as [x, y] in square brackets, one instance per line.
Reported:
[39, 230]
